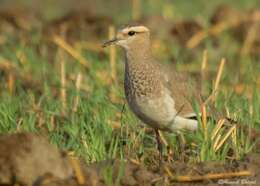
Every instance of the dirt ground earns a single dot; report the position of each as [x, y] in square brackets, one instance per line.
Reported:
[29, 159]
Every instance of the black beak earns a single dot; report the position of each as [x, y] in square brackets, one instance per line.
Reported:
[110, 42]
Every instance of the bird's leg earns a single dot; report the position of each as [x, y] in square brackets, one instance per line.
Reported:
[182, 143]
[159, 145]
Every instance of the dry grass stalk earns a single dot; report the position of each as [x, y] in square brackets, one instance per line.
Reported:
[7, 65]
[78, 86]
[77, 169]
[112, 53]
[74, 53]
[52, 122]
[71, 153]
[204, 120]
[220, 71]
[216, 142]
[204, 61]
[136, 5]
[234, 141]
[163, 139]
[223, 175]
[63, 82]
[250, 38]
[225, 138]
[227, 111]
[134, 161]
[91, 46]
[114, 124]
[219, 27]
[234, 136]
[11, 83]
[203, 70]
[86, 146]
[217, 128]
[196, 39]
[19, 124]
[217, 81]
[40, 120]
[167, 170]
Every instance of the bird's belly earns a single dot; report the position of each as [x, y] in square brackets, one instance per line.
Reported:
[156, 112]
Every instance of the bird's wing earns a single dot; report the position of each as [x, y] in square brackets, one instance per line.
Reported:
[182, 89]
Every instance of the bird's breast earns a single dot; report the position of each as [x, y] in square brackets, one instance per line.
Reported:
[155, 111]
[142, 82]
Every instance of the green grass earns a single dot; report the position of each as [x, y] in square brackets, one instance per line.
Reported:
[89, 133]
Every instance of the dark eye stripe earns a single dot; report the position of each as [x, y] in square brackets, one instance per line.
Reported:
[131, 33]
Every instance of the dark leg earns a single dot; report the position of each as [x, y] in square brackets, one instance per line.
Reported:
[159, 146]
[182, 142]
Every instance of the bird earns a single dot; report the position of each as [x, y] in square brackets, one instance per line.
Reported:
[158, 95]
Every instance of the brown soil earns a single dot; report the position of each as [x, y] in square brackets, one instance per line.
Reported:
[28, 159]
[25, 158]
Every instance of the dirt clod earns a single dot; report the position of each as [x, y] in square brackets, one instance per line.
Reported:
[26, 158]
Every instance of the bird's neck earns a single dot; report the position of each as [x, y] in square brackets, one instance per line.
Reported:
[138, 55]
[142, 78]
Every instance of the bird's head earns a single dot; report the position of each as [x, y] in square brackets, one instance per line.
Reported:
[131, 37]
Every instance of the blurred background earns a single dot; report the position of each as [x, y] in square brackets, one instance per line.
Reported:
[173, 22]
[181, 31]
[57, 80]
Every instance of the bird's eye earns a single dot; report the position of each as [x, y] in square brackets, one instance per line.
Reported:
[131, 33]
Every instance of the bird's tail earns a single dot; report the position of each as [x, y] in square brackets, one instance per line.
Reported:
[181, 123]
